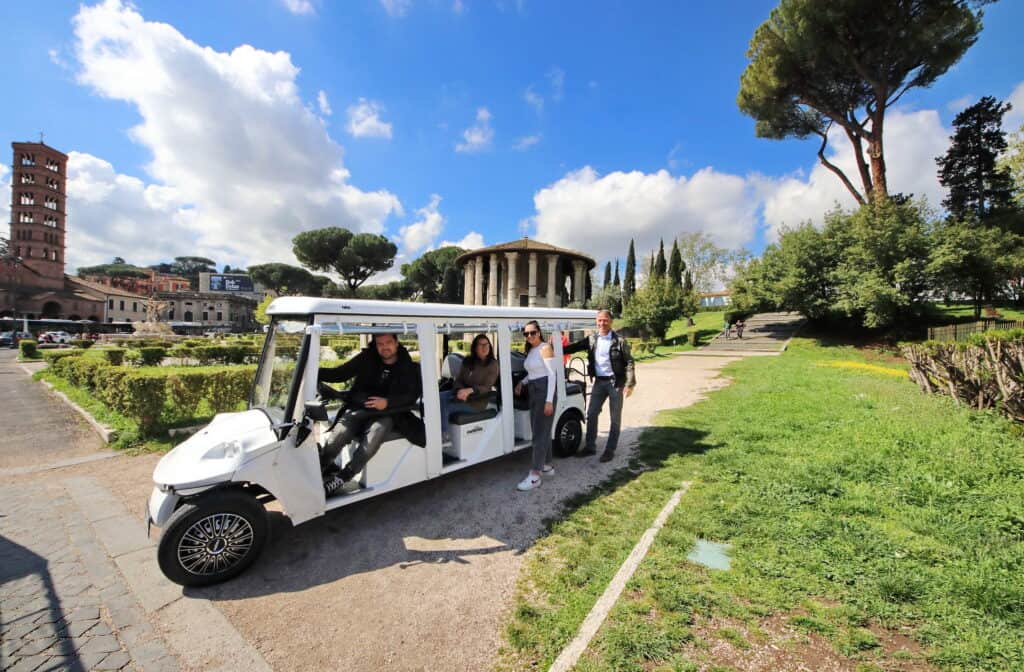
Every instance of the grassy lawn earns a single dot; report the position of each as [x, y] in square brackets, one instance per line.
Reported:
[964, 312]
[706, 324]
[870, 525]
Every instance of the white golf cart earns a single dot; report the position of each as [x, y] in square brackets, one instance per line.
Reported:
[210, 491]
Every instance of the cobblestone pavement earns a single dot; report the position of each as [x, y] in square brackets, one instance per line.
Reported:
[64, 604]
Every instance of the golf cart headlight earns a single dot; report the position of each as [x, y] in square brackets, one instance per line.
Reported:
[226, 450]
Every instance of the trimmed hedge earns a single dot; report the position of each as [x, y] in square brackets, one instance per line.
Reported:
[53, 355]
[83, 343]
[217, 354]
[29, 349]
[114, 356]
[152, 356]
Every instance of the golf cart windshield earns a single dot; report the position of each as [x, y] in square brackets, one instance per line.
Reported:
[274, 377]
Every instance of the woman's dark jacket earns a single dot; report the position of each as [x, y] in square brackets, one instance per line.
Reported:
[399, 383]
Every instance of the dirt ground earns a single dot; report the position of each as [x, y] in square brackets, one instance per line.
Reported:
[419, 579]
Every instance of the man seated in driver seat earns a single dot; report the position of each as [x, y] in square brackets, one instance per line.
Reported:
[385, 378]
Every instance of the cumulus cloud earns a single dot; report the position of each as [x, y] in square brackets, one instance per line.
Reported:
[299, 6]
[364, 120]
[479, 136]
[470, 241]
[606, 211]
[396, 8]
[534, 99]
[1015, 117]
[526, 142]
[324, 104]
[424, 231]
[5, 207]
[912, 141]
[240, 163]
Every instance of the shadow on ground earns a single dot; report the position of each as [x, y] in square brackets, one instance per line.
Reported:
[454, 519]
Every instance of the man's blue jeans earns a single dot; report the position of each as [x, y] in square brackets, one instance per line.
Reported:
[604, 389]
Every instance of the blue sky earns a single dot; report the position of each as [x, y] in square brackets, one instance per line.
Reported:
[198, 127]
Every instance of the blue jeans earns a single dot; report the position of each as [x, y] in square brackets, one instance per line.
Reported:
[450, 404]
[604, 389]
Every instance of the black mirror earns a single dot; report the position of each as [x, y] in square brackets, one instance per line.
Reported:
[315, 411]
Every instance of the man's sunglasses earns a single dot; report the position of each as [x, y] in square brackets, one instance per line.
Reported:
[532, 332]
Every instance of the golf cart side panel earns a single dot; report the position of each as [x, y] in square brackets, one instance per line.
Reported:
[292, 475]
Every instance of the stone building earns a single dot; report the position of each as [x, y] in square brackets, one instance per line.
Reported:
[525, 273]
[119, 305]
[208, 309]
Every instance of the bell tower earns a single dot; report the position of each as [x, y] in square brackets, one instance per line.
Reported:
[38, 209]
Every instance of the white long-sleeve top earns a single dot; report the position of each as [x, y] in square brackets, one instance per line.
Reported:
[538, 366]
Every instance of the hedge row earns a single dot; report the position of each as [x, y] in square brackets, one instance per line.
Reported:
[158, 396]
[987, 371]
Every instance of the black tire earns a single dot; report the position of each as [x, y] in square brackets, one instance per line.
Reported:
[568, 434]
[234, 527]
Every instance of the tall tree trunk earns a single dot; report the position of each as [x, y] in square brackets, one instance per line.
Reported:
[862, 167]
[876, 153]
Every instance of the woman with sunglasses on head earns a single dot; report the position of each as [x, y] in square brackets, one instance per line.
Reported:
[540, 381]
[477, 375]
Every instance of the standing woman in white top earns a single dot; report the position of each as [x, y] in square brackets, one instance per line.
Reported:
[541, 382]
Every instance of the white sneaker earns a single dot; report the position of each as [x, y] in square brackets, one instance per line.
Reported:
[547, 471]
[529, 483]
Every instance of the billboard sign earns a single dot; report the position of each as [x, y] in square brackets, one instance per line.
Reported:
[230, 283]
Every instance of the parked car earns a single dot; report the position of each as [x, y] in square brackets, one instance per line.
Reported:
[56, 337]
[10, 339]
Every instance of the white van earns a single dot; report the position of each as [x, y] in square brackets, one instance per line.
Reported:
[210, 491]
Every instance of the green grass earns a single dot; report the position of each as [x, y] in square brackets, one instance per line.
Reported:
[964, 312]
[706, 324]
[851, 501]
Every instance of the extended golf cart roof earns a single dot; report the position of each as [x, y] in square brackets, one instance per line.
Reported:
[301, 305]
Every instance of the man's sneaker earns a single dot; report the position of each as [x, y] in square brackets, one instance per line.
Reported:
[607, 456]
[586, 452]
[336, 484]
[547, 471]
[529, 483]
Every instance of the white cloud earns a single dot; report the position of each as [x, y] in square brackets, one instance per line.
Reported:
[58, 59]
[526, 142]
[396, 7]
[912, 141]
[534, 99]
[422, 233]
[479, 136]
[323, 103]
[364, 120]
[458, 6]
[299, 6]
[1015, 117]
[958, 104]
[556, 76]
[470, 241]
[5, 207]
[240, 163]
[601, 213]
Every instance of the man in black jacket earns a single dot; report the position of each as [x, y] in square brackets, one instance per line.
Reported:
[610, 365]
[385, 378]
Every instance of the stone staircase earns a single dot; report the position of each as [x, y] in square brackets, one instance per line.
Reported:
[765, 333]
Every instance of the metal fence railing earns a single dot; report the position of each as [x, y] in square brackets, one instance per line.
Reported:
[961, 332]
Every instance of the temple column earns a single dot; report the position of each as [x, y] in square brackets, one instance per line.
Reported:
[478, 282]
[492, 281]
[533, 280]
[552, 279]
[467, 284]
[512, 284]
[579, 287]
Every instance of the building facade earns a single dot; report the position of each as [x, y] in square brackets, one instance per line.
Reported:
[525, 273]
[156, 282]
[119, 305]
[209, 309]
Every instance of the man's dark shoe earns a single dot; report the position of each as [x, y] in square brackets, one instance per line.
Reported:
[607, 456]
[338, 482]
[586, 453]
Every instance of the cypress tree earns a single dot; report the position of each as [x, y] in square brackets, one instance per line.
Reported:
[616, 281]
[659, 263]
[629, 281]
[675, 265]
[607, 275]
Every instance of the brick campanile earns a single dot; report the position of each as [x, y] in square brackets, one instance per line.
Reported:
[38, 206]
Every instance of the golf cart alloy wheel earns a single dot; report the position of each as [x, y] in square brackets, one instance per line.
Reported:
[568, 434]
[212, 538]
[215, 543]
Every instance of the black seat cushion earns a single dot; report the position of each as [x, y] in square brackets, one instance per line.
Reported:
[463, 418]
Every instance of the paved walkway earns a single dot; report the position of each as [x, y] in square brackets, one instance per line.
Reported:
[765, 333]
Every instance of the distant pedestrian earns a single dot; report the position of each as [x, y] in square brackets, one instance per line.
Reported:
[610, 365]
[739, 328]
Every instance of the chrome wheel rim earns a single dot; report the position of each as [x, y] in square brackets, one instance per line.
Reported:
[215, 544]
[570, 435]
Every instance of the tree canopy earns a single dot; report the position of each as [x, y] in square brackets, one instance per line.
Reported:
[819, 64]
[433, 277]
[1012, 160]
[977, 185]
[286, 279]
[354, 257]
[117, 268]
[629, 280]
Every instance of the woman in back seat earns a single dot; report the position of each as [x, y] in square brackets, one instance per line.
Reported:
[478, 374]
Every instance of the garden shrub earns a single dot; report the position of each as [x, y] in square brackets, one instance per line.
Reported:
[53, 355]
[185, 390]
[140, 395]
[152, 356]
[81, 371]
[83, 343]
[226, 388]
[29, 349]
[114, 356]
[133, 357]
